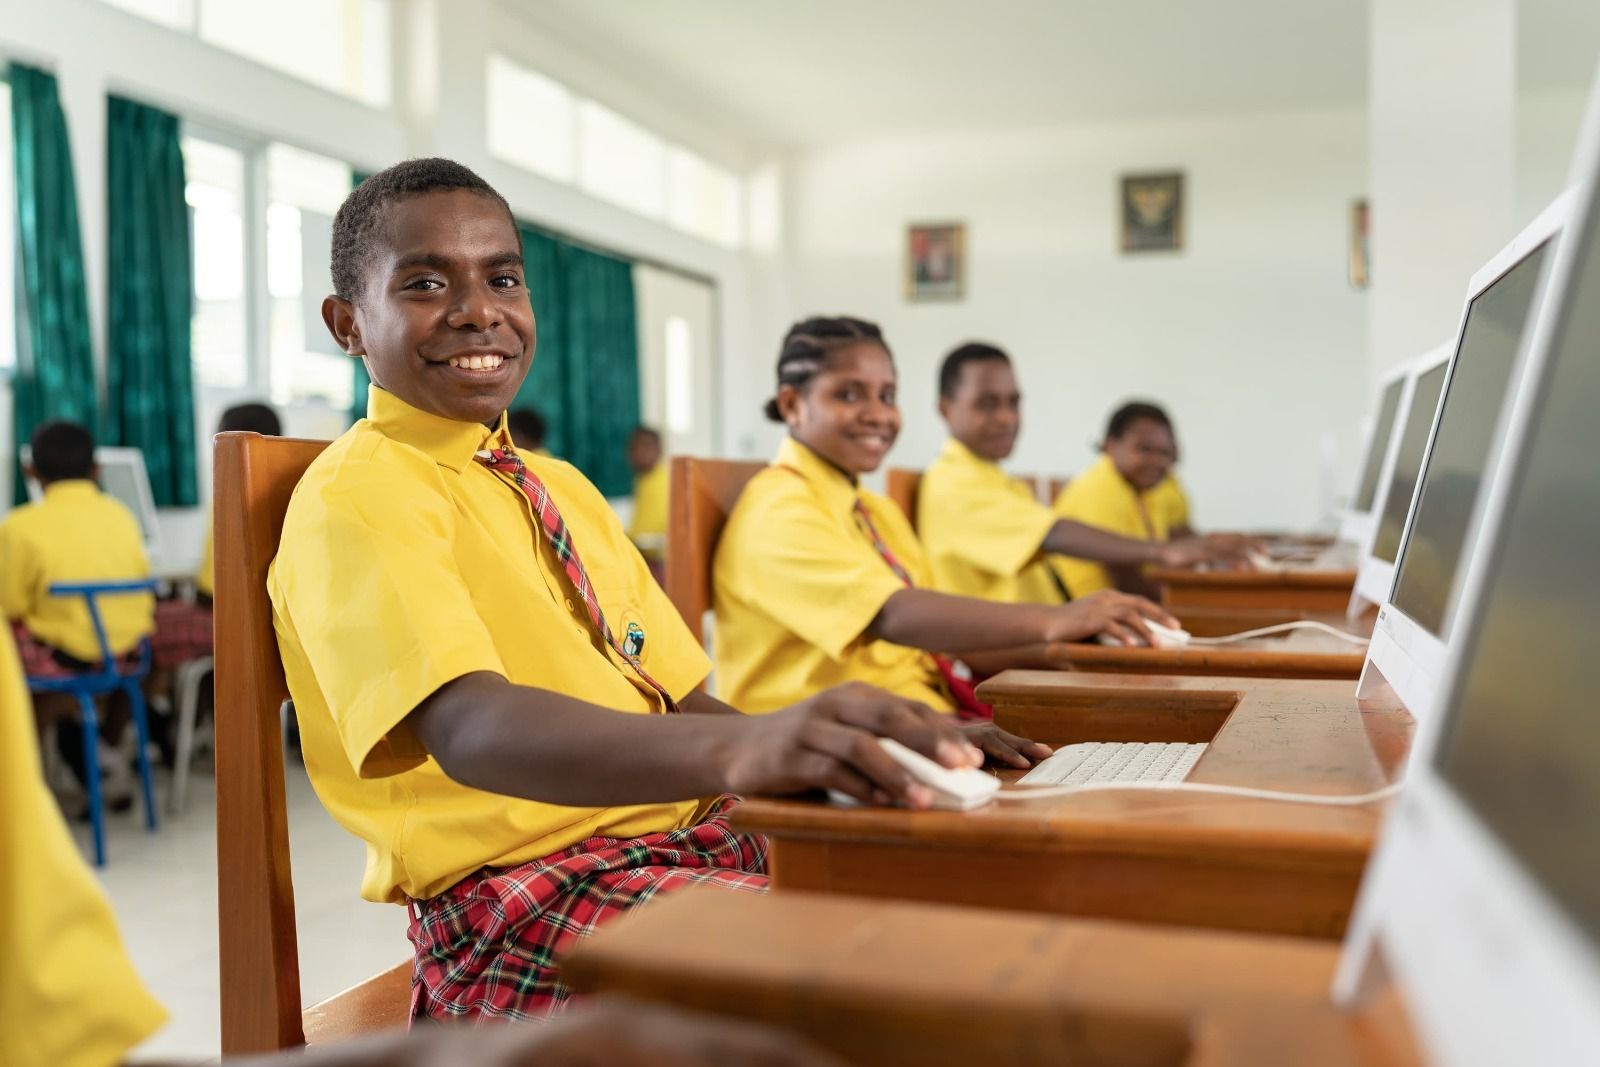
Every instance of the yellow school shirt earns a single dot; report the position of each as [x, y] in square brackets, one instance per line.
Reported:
[983, 530]
[796, 583]
[206, 577]
[1102, 497]
[69, 995]
[650, 507]
[1171, 501]
[75, 534]
[406, 564]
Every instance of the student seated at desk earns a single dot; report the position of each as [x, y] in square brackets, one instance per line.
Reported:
[648, 527]
[1121, 493]
[70, 996]
[986, 534]
[492, 691]
[241, 418]
[76, 533]
[817, 581]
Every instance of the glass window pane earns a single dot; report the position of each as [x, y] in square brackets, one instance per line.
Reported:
[342, 45]
[304, 190]
[215, 193]
[620, 161]
[8, 239]
[680, 376]
[179, 14]
[703, 199]
[532, 120]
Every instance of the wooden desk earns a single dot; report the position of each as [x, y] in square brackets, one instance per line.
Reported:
[1203, 860]
[894, 983]
[1300, 654]
[1298, 589]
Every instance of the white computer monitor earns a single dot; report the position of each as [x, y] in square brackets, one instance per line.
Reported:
[1412, 630]
[1483, 899]
[122, 475]
[1355, 523]
[1425, 385]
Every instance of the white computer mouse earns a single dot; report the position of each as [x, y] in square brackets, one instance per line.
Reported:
[953, 790]
[1165, 636]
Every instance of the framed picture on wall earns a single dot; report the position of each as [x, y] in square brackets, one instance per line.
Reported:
[1360, 250]
[936, 261]
[1152, 212]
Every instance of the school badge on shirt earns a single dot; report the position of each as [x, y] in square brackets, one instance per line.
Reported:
[633, 640]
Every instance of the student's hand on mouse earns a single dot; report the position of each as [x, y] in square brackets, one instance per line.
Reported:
[1004, 748]
[829, 741]
[1120, 615]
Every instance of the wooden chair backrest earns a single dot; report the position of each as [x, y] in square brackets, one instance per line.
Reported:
[901, 487]
[253, 479]
[701, 494]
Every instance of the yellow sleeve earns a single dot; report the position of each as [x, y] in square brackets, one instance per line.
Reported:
[19, 573]
[368, 581]
[650, 504]
[205, 579]
[810, 572]
[69, 994]
[997, 532]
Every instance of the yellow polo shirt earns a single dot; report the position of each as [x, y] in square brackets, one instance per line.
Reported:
[983, 530]
[68, 992]
[1102, 497]
[796, 583]
[650, 508]
[405, 564]
[1171, 501]
[75, 534]
[205, 578]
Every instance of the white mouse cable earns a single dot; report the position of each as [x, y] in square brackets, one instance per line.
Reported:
[1283, 627]
[1335, 800]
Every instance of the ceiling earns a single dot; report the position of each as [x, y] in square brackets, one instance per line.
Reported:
[824, 71]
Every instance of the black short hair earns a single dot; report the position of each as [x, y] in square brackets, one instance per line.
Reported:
[809, 343]
[527, 427]
[1123, 418]
[251, 418]
[356, 225]
[61, 451]
[971, 352]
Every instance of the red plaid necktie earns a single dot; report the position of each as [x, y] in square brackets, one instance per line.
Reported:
[965, 693]
[506, 461]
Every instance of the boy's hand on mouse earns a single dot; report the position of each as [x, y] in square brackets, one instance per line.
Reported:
[1005, 748]
[1121, 615]
[830, 741]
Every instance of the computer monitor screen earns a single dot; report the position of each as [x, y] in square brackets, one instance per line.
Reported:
[1522, 746]
[1455, 464]
[1408, 463]
[1388, 407]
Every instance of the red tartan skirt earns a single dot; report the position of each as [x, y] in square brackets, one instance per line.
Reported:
[182, 633]
[487, 946]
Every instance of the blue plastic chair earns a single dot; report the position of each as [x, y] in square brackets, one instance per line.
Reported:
[87, 685]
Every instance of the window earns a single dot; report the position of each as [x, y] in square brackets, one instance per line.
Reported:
[680, 375]
[342, 45]
[258, 330]
[540, 125]
[8, 240]
[219, 323]
[532, 120]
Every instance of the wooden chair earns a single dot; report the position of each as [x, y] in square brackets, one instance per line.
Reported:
[701, 494]
[902, 486]
[254, 477]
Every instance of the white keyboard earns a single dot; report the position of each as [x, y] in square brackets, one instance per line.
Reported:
[1098, 761]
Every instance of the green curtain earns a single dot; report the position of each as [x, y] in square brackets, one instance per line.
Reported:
[149, 376]
[358, 396]
[585, 374]
[55, 371]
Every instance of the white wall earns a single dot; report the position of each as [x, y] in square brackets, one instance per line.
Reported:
[1251, 335]
[1547, 134]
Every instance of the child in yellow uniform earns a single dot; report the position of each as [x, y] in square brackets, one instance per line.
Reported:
[818, 582]
[70, 997]
[241, 418]
[1123, 493]
[479, 659]
[648, 528]
[986, 534]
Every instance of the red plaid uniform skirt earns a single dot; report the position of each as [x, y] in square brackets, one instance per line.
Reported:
[182, 633]
[487, 946]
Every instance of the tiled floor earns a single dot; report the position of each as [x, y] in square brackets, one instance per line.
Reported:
[164, 889]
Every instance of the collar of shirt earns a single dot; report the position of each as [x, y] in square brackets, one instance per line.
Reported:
[71, 487]
[960, 454]
[449, 442]
[836, 489]
[1105, 468]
